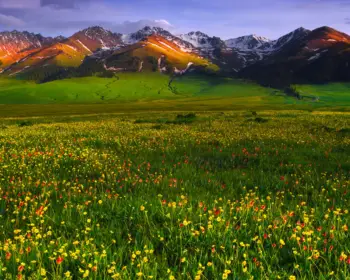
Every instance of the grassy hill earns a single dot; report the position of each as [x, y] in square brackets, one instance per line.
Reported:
[154, 91]
[334, 94]
[125, 87]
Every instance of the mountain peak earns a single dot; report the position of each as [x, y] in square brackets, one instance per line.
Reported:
[201, 40]
[197, 33]
[145, 32]
[248, 42]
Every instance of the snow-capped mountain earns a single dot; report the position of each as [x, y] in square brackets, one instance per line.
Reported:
[15, 41]
[98, 37]
[252, 48]
[16, 45]
[202, 41]
[148, 31]
[152, 48]
[304, 56]
[250, 42]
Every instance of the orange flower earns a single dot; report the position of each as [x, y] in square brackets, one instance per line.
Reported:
[8, 255]
[59, 260]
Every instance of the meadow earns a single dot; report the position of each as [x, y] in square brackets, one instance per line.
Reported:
[202, 195]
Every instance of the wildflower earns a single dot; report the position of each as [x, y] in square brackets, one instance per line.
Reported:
[292, 277]
[42, 272]
[142, 208]
[21, 267]
[282, 242]
[86, 274]
[59, 260]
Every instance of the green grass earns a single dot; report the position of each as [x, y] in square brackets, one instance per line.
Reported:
[151, 91]
[215, 195]
[125, 87]
[336, 94]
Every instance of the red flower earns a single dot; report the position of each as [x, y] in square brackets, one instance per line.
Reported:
[181, 225]
[282, 178]
[20, 268]
[265, 236]
[8, 255]
[59, 260]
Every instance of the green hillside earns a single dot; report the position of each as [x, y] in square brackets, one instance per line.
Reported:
[153, 91]
[125, 87]
[333, 94]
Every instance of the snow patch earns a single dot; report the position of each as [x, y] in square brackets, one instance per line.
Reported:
[69, 46]
[85, 47]
[168, 46]
[314, 57]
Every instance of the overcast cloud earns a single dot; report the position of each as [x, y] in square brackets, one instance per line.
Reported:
[224, 18]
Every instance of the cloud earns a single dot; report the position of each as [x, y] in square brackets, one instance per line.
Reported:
[224, 18]
[132, 26]
[10, 21]
[64, 4]
[20, 4]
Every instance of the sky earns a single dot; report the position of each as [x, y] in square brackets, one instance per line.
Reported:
[222, 18]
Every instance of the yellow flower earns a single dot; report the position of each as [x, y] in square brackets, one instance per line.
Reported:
[42, 272]
[171, 277]
[292, 277]
[86, 274]
[282, 242]
[224, 276]
[209, 264]
[142, 208]
[67, 274]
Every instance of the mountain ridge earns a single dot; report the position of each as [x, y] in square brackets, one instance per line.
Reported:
[252, 56]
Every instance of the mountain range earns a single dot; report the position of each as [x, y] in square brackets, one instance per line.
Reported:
[301, 56]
